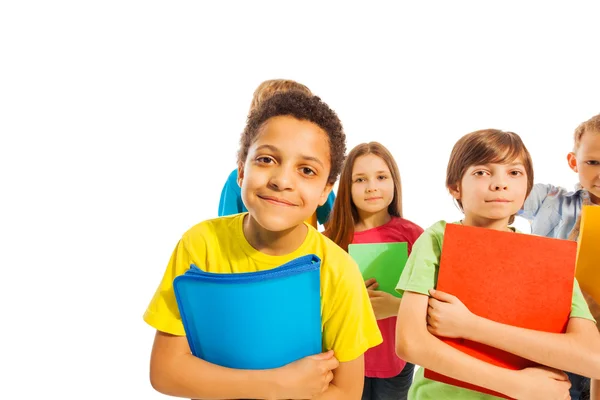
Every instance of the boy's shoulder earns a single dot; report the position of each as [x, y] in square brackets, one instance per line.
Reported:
[437, 229]
[214, 226]
[433, 235]
[330, 250]
[552, 191]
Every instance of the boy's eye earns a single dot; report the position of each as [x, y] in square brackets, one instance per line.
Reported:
[308, 171]
[593, 162]
[516, 173]
[265, 160]
[480, 173]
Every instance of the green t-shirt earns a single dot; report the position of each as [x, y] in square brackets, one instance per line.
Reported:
[420, 274]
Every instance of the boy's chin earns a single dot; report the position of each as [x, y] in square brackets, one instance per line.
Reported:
[594, 194]
[276, 223]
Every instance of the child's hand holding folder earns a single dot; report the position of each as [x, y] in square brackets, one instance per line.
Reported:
[307, 377]
[447, 316]
[542, 383]
[384, 304]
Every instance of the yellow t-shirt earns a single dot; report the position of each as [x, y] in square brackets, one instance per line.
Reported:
[219, 246]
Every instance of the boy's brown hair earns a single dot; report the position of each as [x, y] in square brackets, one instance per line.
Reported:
[591, 125]
[269, 87]
[303, 107]
[344, 214]
[487, 146]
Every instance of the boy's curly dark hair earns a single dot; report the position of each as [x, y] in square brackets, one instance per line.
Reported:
[303, 107]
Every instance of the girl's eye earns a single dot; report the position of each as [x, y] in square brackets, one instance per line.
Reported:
[358, 180]
[382, 177]
[593, 162]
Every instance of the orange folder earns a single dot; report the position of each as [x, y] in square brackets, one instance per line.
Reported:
[588, 252]
[512, 278]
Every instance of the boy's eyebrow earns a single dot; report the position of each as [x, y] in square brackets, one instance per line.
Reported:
[269, 147]
[276, 150]
[315, 159]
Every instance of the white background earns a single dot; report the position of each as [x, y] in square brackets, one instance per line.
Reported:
[120, 120]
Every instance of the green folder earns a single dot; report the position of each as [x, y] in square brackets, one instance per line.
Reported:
[382, 261]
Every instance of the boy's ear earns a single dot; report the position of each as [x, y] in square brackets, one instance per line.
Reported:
[572, 160]
[325, 194]
[240, 174]
[454, 191]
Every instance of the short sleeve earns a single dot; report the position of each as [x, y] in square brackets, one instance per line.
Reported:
[349, 324]
[579, 307]
[162, 312]
[421, 270]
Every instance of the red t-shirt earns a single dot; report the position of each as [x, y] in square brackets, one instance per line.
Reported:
[381, 361]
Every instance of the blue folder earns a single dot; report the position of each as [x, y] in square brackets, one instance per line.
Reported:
[255, 320]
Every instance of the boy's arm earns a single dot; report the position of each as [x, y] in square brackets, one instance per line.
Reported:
[577, 350]
[595, 389]
[415, 344]
[533, 202]
[594, 308]
[176, 372]
[348, 381]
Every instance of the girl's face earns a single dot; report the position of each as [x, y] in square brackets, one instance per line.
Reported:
[372, 184]
[284, 178]
[492, 193]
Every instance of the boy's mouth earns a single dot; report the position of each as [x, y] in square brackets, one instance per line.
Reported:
[277, 201]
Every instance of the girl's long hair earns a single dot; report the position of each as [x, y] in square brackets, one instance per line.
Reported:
[340, 227]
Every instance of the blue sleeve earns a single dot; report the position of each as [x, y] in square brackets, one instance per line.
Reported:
[534, 201]
[231, 197]
[324, 210]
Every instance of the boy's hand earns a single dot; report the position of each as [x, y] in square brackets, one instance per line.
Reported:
[542, 383]
[384, 304]
[447, 316]
[307, 377]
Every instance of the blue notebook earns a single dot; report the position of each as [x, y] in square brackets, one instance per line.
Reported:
[255, 320]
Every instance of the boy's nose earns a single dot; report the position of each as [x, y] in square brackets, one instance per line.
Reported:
[281, 179]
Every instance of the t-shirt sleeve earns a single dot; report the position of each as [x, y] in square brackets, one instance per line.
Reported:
[416, 232]
[162, 312]
[579, 307]
[534, 201]
[349, 324]
[421, 270]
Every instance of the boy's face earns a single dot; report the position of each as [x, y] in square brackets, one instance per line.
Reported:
[284, 177]
[492, 192]
[586, 162]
